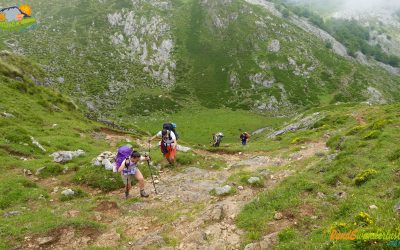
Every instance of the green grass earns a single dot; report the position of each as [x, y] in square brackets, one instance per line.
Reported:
[16, 190]
[34, 111]
[98, 177]
[366, 170]
[196, 125]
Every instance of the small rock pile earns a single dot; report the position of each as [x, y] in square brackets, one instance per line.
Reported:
[105, 159]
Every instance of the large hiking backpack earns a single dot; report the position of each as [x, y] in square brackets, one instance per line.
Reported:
[123, 153]
[171, 127]
[245, 136]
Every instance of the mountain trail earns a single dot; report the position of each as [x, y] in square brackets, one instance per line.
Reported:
[184, 214]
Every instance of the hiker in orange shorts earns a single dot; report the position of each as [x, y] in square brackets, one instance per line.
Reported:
[167, 144]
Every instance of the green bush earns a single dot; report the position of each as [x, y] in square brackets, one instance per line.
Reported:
[380, 124]
[364, 176]
[363, 219]
[98, 177]
[298, 140]
[335, 142]
[394, 155]
[15, 190]
[355, 130]
[17, 134]
[372, 135]
[52, 170]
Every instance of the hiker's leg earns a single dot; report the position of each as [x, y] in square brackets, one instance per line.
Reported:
[129, 182]
[172, 156]
[140, 179]
[171, 161]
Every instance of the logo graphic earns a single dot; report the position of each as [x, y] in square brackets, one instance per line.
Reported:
[350, 235]
[17, 18]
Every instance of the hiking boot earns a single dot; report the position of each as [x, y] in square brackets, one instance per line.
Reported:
[143, 194]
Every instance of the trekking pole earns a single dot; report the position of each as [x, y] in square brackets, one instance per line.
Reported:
[152, 178]
[126, 186]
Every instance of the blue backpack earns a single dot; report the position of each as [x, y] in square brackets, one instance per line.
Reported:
[171, 127]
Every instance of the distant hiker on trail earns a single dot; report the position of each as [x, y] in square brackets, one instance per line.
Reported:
[167, 144]
[217, 138]
[244, 137]
[126, 163]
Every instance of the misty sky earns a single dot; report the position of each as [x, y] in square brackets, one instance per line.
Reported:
[356, 5]
[353, 5]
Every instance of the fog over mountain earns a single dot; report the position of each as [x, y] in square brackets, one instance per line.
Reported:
[354, 6]
[362, 5]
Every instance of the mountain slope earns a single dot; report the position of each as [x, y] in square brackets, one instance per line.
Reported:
[170, 54]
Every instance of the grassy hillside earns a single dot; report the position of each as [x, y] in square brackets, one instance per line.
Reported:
[335, 190]
[122, 58]
[55, 122]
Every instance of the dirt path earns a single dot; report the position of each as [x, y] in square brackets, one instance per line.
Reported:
[184, 215]
[184, 211]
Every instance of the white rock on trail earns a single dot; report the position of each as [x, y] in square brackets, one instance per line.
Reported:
[68, 192]
[223, 190]
[182, 148]
[253, 180]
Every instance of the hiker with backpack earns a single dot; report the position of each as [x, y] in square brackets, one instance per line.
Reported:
[126, 164]
[244, 137]
[217, 138]
[168, 142]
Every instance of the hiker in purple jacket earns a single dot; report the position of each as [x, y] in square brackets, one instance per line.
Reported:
[128, 168]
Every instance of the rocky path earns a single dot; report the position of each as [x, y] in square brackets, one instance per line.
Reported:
[185, 211]
[184, 214]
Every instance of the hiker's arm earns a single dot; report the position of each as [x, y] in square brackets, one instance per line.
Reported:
[154, 137]
[122, 166]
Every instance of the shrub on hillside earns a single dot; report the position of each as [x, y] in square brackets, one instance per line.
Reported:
[364, 176]
[372, 135]
[394, 155]
[98, 177]
[363, 219]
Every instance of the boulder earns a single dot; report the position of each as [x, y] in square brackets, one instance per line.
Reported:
[44, 240]
[37, 144]
[11, 213]
[105, 159]
[278, 216]
[68, 192]
[223, 190]
[397, 208]
[253, 180]
[274, 46]
[182, 148]
[107, 164]
[64, 156]
[39, 170]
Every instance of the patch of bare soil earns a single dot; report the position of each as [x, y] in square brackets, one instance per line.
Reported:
[65, 237]
[113, 137]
